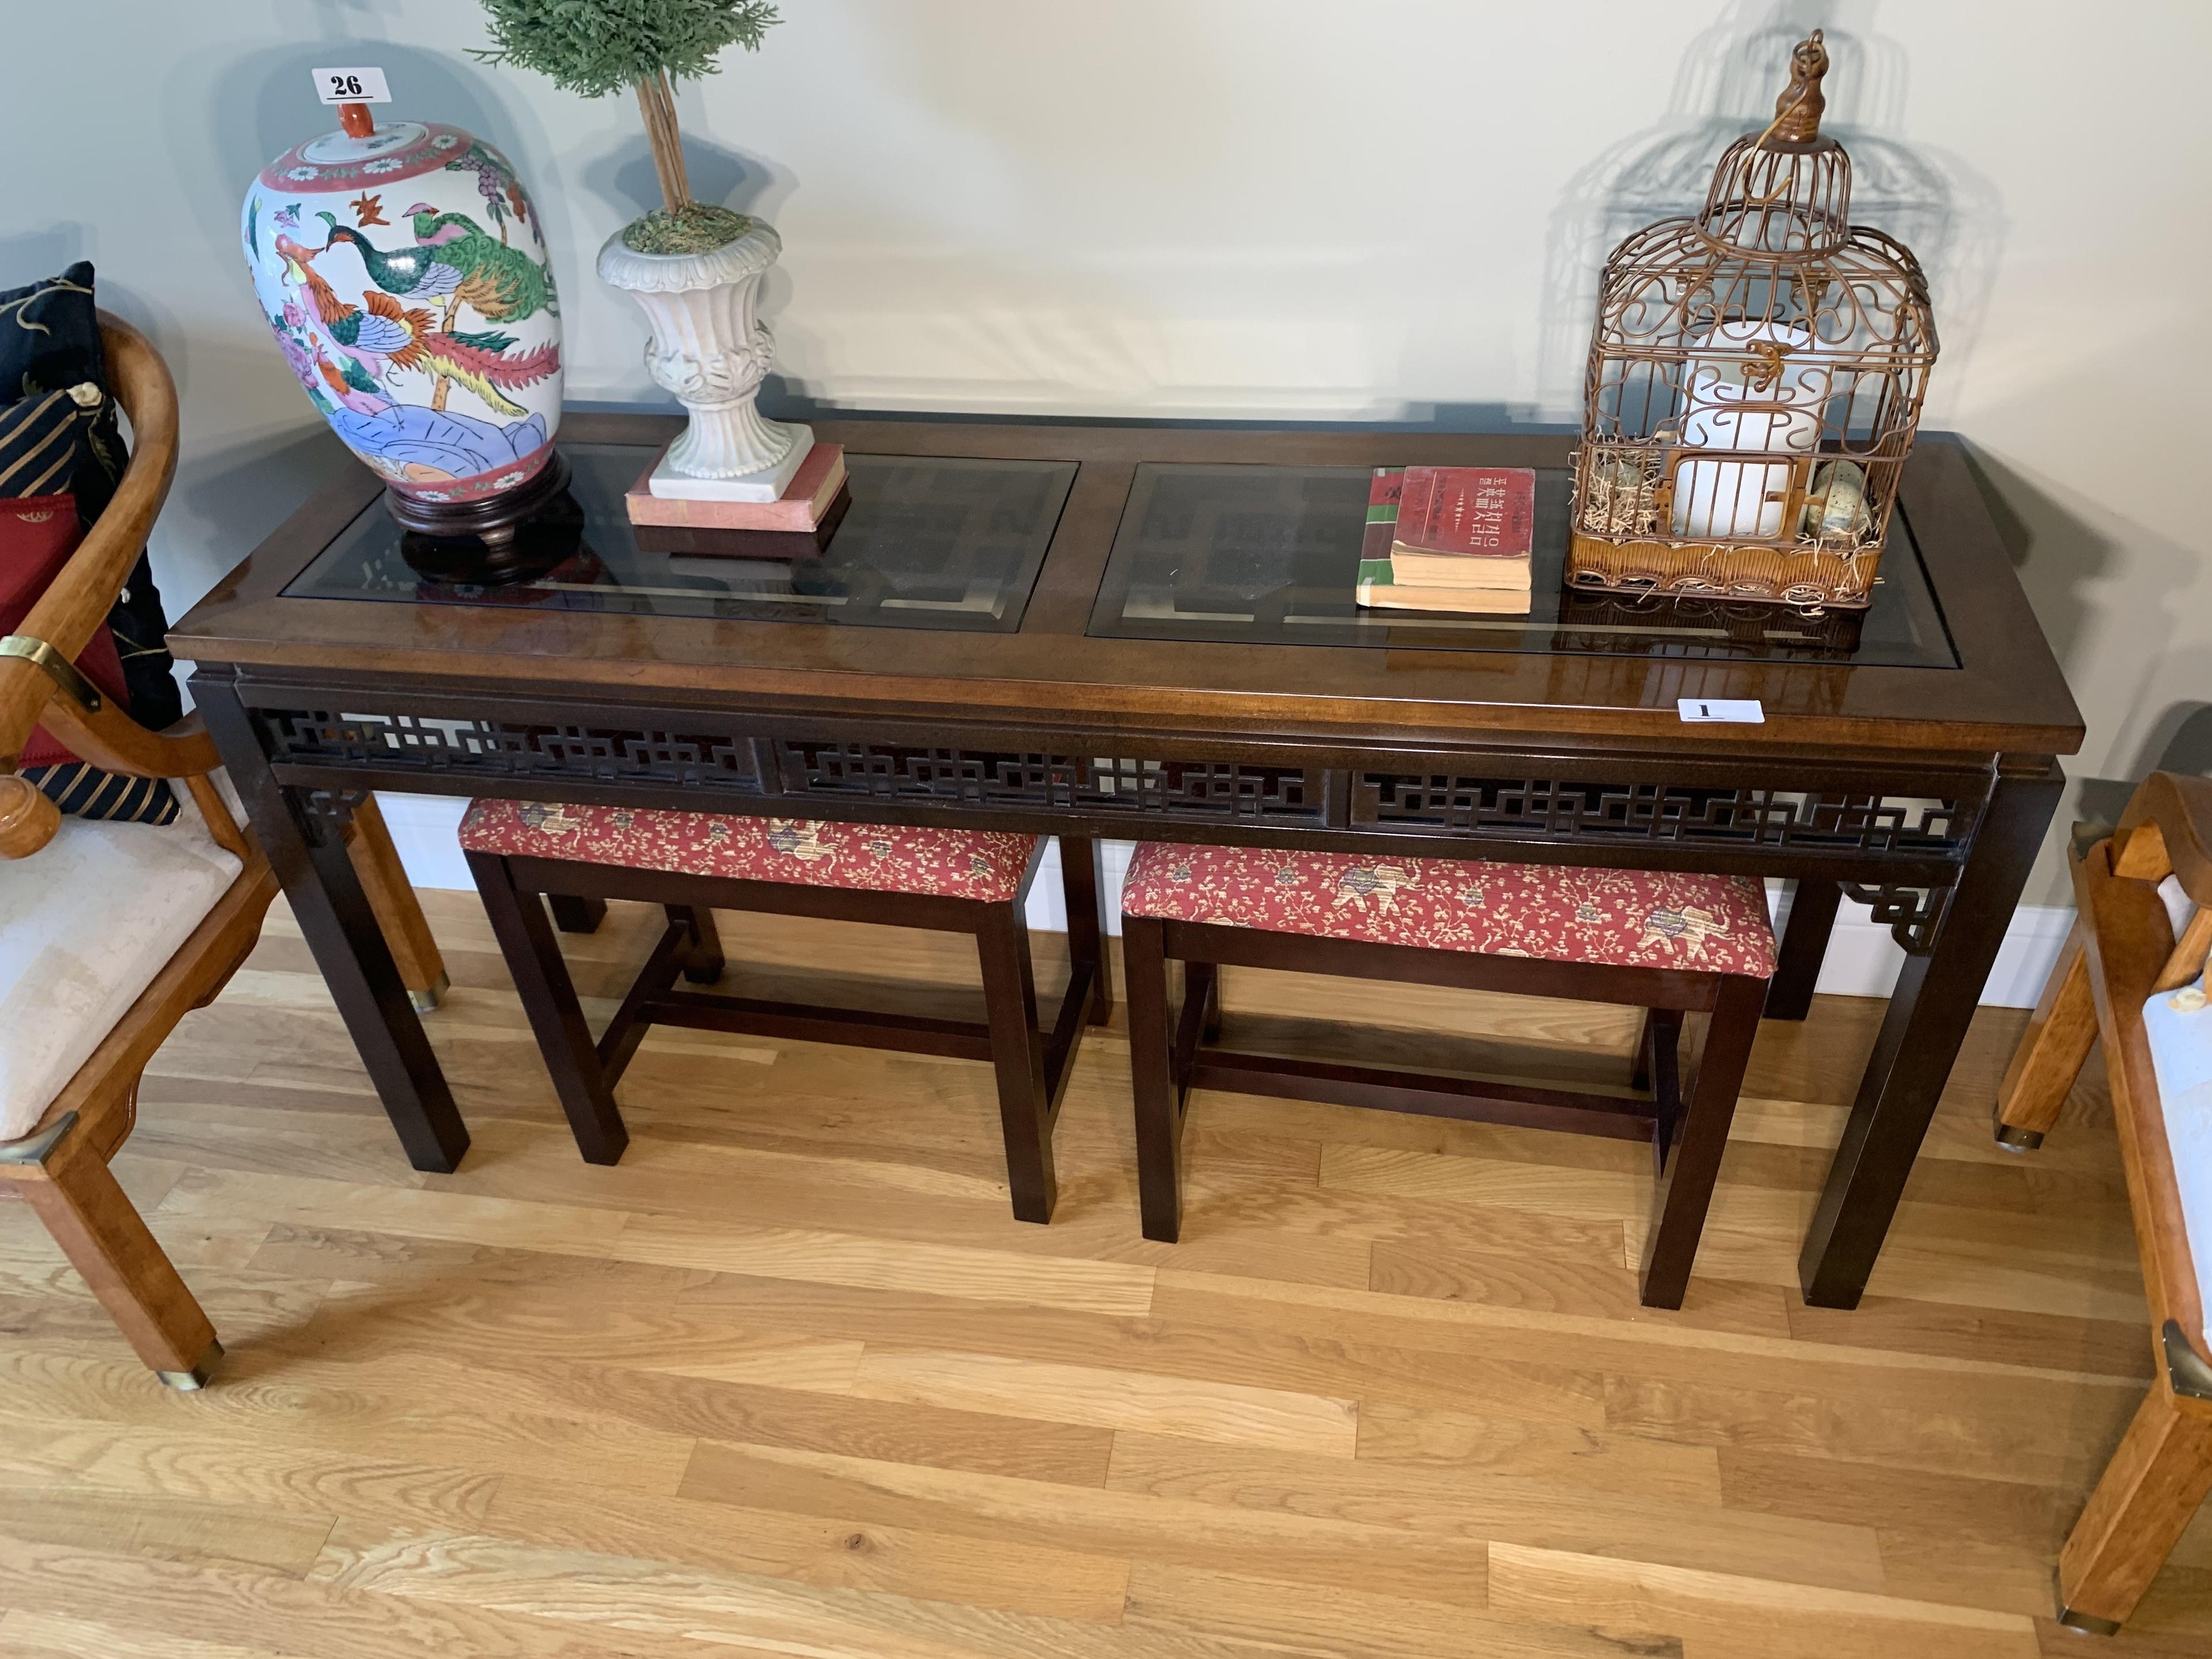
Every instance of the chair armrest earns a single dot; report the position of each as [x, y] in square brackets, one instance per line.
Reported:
[2168, 828]
[71, 611]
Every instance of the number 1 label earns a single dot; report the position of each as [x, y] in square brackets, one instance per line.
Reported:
[1736, 711]
[351, 86]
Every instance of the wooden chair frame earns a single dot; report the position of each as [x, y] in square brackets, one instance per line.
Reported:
[61, 1166]
[1170, 1057]
[2121, 953]
[1032, 1066]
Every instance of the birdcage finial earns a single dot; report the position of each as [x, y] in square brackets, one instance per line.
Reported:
[1797, 112]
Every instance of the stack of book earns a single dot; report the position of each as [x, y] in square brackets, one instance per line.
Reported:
[797, 527]
[1449, 538]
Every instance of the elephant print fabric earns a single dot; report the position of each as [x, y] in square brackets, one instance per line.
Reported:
[1622, 918]
[406, 278]
[970, 863]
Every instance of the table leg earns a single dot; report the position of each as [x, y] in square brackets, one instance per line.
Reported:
[1804, 947]
[310, 858]
[1920, 1036]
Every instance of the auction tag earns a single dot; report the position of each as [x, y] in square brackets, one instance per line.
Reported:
[351, 86]
[1739, 711]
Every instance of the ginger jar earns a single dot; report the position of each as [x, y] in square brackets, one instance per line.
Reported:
[403, 268]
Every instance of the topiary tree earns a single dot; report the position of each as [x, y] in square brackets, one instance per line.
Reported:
[595, 47]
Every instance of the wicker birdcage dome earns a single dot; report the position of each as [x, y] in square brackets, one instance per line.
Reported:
[1755, 378]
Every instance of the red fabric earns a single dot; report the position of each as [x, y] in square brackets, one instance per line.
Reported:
[1624, 918]
[969, 864]
[38, 533]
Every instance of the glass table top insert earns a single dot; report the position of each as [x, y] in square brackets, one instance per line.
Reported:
[1268, 554]
[929, 542]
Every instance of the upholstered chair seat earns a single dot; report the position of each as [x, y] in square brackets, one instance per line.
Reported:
[85, 926]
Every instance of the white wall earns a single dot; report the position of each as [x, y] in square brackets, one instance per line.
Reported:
[1385, 209]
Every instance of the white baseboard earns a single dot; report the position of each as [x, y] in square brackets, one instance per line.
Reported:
[1862, 959]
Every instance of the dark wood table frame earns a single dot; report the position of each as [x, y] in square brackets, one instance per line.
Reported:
[1925, 792]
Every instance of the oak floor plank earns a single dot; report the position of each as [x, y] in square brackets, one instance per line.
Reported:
[1724, 1614]
[1359, 1624]
[1232, 1413]
[1428, 1499]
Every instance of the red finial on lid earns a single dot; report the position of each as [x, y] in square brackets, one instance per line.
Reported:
[356, 120]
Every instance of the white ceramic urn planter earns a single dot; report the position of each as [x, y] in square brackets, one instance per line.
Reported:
[711, 349]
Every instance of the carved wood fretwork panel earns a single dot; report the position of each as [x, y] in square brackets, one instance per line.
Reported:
[1207, 790]
[1678, 815]
[402, 743]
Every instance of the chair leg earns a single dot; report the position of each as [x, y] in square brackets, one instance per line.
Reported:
[1152, 1078]
[2051, 1052]
[703, 964]
[1804, 948]
[2150, 1490]
[1082, 879]
[108, 1241]
[577, 915]
[399, 912]
[549, 997]
[1002, 946]
[1685, 1185]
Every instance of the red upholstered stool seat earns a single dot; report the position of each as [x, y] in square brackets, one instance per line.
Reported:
[970, 863]
[526, 856]
[1670, 944]
[1623, 918]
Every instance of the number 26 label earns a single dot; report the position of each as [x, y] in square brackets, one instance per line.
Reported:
[351, 86]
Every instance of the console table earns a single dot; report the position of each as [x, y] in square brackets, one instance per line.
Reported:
[1147, 631]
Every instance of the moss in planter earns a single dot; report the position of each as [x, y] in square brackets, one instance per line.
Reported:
[696, 228]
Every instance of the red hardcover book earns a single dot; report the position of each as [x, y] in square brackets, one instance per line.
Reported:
[1449, 516]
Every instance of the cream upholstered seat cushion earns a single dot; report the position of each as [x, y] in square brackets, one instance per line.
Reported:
[2181, 1056]
[86, 924]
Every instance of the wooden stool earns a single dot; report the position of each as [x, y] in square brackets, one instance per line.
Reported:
[958, 881]
[1667, 943]
[2132, 977]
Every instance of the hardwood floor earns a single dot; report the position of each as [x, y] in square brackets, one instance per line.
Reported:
[790, 1380]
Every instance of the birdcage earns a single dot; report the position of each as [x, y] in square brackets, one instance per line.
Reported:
[1755, 378]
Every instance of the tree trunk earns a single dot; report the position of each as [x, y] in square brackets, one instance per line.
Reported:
[657, 101]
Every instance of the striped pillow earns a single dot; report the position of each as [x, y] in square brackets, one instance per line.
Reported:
[44, 439]
[83, 790]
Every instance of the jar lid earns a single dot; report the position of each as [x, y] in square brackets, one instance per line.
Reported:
[338, 161]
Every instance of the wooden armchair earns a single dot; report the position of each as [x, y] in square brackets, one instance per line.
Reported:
[110, 933]
[2125, 976]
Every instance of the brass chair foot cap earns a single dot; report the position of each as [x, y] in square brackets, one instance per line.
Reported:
[197, 1378]
[2018, 1140]
[424, 1002]
[2089, 1622]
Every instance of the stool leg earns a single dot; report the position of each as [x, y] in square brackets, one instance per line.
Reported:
[2150, 1490]
[577, 915]
[1685, 1187]
[703, 964]
[2051, 1052]
[1205, 978]
[1152, 1078]
[1002, 944]
[1082, 879]
[549, 997]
